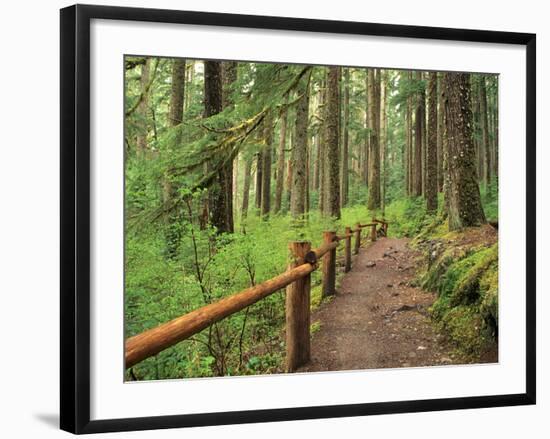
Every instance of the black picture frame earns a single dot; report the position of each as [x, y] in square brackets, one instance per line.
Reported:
[75, 217]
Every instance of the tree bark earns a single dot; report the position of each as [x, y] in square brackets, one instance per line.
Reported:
[464, 203]
[175, 118]
[418, 138]
[439, 134]
[299, 155]
[366, 146]
[345, 145]
[218, 200]
[485, 129]
[374, 150]
[259, 181]
[141, 140]
[323, 148]
[431, 153]
[281, 163]
[266, 164]
[229, 77]
[383, 140]
[246, 187]
[332, 141]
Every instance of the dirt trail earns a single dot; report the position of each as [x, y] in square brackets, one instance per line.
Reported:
[377, 320]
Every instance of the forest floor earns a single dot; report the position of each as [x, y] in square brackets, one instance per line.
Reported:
[377, 319]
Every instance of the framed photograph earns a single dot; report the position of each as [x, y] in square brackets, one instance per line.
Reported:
[273, 218]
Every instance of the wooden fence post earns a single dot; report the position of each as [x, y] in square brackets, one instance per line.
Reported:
[373, 232]
[357, 238]
[297, 312]
[347, 266]
[329, 267]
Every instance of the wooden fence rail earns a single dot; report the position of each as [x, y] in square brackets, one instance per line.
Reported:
[297, 280]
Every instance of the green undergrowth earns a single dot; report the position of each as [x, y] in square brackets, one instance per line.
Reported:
[408, 216]
[465, 277]
[208, 268]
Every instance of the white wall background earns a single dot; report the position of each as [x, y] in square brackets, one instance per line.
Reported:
[29, 250]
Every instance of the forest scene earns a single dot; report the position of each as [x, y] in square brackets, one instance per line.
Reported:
[301, 218]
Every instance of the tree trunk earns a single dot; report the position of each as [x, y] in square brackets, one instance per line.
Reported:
[218, 206]
[190, 73]
[316, 166]
[485, 129]
[281, 163]
[141, 140]
[439, 134]
[345, 144]
[366, 146]
[374, 150]
[424, 135]
[383, 139]
[266, 164]
[299, 156]
[259, 180]
[289, 166]
[229, 77]
[246, 187]
[431, 153]
[464, 204]
[323, 148]
[175, 118]
[332, 140]
[408, 140]
[495, 129]
[418, 137]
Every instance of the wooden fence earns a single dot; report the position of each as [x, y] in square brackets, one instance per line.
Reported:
[297, 280]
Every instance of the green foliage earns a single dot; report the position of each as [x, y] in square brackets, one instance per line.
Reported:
[408, 216]
[466, 281]
[159, 289]
[489, 199]
[175, 262]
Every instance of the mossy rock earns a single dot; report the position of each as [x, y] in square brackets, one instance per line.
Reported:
[434, 278]
[467, 289]
[489, 302]
[465, 327]
[466, 280]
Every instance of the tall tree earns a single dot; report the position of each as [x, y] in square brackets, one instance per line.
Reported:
[374, 150]
[217, 201]
[299, 152]
[440, 113]
[289, 162]
[246, 187]
[366, 145]
[267, 150]
[485, 129]
[345, 141]
[418, 137]
[175, 118]
[229, 77]
[332, 144]
[281, 162]
[409, 137]
[323, 146]
[464, 203]
[141, 139]
[383, 139]
[431, 153]
[259, 180]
